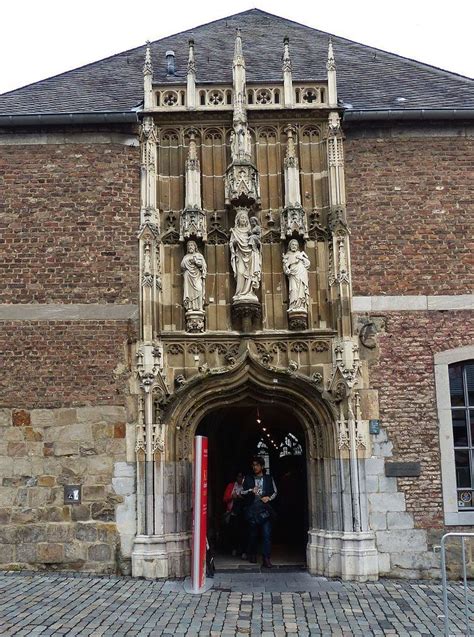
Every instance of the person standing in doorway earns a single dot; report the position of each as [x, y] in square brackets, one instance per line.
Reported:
[234, 501]
[259, 491]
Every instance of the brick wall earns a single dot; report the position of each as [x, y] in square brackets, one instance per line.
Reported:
[63, 363]
[404, 377]
[68, 222]
[410, 210]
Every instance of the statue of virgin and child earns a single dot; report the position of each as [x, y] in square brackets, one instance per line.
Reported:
[246, 256]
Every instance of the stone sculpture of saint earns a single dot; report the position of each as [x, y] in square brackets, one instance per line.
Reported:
[194, 271]
[295, 266]
[245, 253]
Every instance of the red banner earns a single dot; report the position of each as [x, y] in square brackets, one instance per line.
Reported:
[198, 562]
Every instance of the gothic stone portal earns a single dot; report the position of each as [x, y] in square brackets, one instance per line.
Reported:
[333, 548]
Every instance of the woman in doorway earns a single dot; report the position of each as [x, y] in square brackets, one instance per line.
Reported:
[259, 490]
[234, 501]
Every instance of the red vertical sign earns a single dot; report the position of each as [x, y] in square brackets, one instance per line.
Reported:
[198, 565]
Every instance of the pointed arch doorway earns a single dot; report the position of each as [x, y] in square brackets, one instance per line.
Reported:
[339, 542]
[235, 435]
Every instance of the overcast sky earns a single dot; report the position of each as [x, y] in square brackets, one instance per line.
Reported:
[41, 38]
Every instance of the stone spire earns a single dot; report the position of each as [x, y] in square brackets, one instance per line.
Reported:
[287, 76]
[147, 79]
[193, 182]
[331, 69]
[192, 223]
[191, 78]
[293, 216]
[241, 182]
[238, 75]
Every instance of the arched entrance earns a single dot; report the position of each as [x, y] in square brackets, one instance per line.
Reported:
[235, 435]
[338, 540]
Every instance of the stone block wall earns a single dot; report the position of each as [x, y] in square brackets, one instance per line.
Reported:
[41, 451]
[410, 211]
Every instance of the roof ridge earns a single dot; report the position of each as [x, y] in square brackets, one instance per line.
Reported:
[413, 61]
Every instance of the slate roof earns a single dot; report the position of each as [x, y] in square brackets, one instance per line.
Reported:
[367, 78]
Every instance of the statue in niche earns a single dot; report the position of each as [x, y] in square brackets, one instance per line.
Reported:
[295, 266]
[246, 259]
[194, 271]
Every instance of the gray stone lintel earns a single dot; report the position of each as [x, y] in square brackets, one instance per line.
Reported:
[411, 303]
[67, 312]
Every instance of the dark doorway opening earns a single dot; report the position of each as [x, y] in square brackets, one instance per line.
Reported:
[235, 435]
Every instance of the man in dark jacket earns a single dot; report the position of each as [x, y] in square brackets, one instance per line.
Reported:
[259, 490]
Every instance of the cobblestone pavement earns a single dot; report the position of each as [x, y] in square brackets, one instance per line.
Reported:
[239, 604]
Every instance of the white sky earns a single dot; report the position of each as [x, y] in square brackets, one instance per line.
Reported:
[41, 38]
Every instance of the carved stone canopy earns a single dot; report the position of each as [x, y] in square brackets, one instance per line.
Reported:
[242, 185]
[193, 224]
[293, 222]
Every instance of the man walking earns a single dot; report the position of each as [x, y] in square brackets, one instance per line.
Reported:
[259, 490]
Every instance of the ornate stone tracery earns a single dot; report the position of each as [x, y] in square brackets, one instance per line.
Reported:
[218, 326]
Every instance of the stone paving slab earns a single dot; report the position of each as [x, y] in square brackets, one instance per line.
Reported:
[264, 604]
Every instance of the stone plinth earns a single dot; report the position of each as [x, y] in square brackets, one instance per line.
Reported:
[350, 556]
[162, 556]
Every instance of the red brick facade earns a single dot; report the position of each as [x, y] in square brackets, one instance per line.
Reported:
[404, 378]
[410, 210]
[68, 222]
[63, 363]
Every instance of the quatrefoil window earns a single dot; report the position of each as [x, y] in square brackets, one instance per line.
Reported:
[216, 98]
[309, 96]
[264, 96]
[170, 99]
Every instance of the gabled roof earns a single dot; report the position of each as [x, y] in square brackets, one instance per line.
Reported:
[367, 78]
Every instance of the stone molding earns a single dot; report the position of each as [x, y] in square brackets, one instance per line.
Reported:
[27, 139]
[67, 312]
[412, 303]
[452, 516]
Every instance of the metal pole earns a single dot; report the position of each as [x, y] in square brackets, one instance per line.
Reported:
[464, 576]
[445, 587]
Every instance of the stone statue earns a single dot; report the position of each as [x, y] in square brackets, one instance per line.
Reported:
[194, 270]
[246, 259]
[295, 266]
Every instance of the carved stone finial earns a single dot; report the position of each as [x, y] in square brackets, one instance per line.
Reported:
[147, 67]
[287, 76]
[238, 52]
[191, 78]
[238, 75]
[191, 61]
[147, 79]
[331, 63]
[331, 69]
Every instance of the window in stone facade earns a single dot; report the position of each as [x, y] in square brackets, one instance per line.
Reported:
[454, 370]
[461, 385]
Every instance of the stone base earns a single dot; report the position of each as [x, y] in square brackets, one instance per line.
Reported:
[248, 310]
[195, 321]
[162, 556]
[297, 320]
[350, 556]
